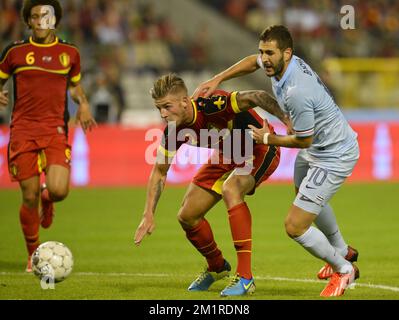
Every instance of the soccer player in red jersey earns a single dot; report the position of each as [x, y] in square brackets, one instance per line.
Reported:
[43, 68]
[222, 177]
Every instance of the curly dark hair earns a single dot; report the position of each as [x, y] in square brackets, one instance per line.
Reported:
[29, 4]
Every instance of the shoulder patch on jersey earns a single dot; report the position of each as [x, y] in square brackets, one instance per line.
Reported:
[11, 46]
[213, 104]
[62, 41]
[20, 42]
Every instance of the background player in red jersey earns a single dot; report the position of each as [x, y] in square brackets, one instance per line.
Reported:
[215, 180]
[43, 67]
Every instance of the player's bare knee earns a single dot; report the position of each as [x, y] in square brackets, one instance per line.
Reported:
[186, 218]
[31, 198]
[180, 218]
[183, 216]
[58, 194]
[291, 229]
[231, 191]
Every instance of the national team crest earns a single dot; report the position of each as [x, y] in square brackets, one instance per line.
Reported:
[65, 59]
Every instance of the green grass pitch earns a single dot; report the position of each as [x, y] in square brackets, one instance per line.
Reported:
[98, 226]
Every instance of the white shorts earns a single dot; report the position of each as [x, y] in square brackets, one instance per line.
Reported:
[317, 182]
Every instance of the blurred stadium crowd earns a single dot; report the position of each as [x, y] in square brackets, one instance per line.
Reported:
[316, 27]
[133, 36]
[115, 37]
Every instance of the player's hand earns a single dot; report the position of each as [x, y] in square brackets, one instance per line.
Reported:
[3, 99]
[258, 133]
[206, 88]
[146, 226]
[85, 118]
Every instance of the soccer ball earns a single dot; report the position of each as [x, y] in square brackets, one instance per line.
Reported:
[52, 261]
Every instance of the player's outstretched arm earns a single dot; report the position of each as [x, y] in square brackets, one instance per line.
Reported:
[83, 116]
[241, 68]
[3, 95]
[259, 98]
[155, 187]
[263, 135]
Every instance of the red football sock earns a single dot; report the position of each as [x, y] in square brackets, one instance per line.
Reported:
[30, 222]
[240, 225]
[201, 237]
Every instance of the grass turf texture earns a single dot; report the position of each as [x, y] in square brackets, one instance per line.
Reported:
[98, 226]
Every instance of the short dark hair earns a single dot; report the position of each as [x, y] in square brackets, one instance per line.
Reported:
[168, 83]
[280, 34]
[29, 4]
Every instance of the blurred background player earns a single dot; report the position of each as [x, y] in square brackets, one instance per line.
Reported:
[328, 156]
[215, 180]
[42, 67]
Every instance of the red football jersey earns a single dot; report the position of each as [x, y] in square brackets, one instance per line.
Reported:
[219, 112]
[41, 74]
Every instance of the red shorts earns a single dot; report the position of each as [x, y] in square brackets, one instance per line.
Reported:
[29, 158]
[212, 176]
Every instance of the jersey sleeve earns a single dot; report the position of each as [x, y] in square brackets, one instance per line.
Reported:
[74, 73]
[5, 64]
[221, 102]
[301, 113]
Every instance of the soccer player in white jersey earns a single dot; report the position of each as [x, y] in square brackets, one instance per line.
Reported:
[329, 151]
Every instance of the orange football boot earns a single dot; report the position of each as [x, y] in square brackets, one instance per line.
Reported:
[339, 282]
[327, 271]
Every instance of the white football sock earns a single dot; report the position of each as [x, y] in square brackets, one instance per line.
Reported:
[314, 241]
[327, 224]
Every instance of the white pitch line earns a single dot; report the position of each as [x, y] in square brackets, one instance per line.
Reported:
[357, 284]
[160, 275]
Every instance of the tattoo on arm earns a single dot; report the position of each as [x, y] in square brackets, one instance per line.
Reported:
[259, 98]
[158, 191]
